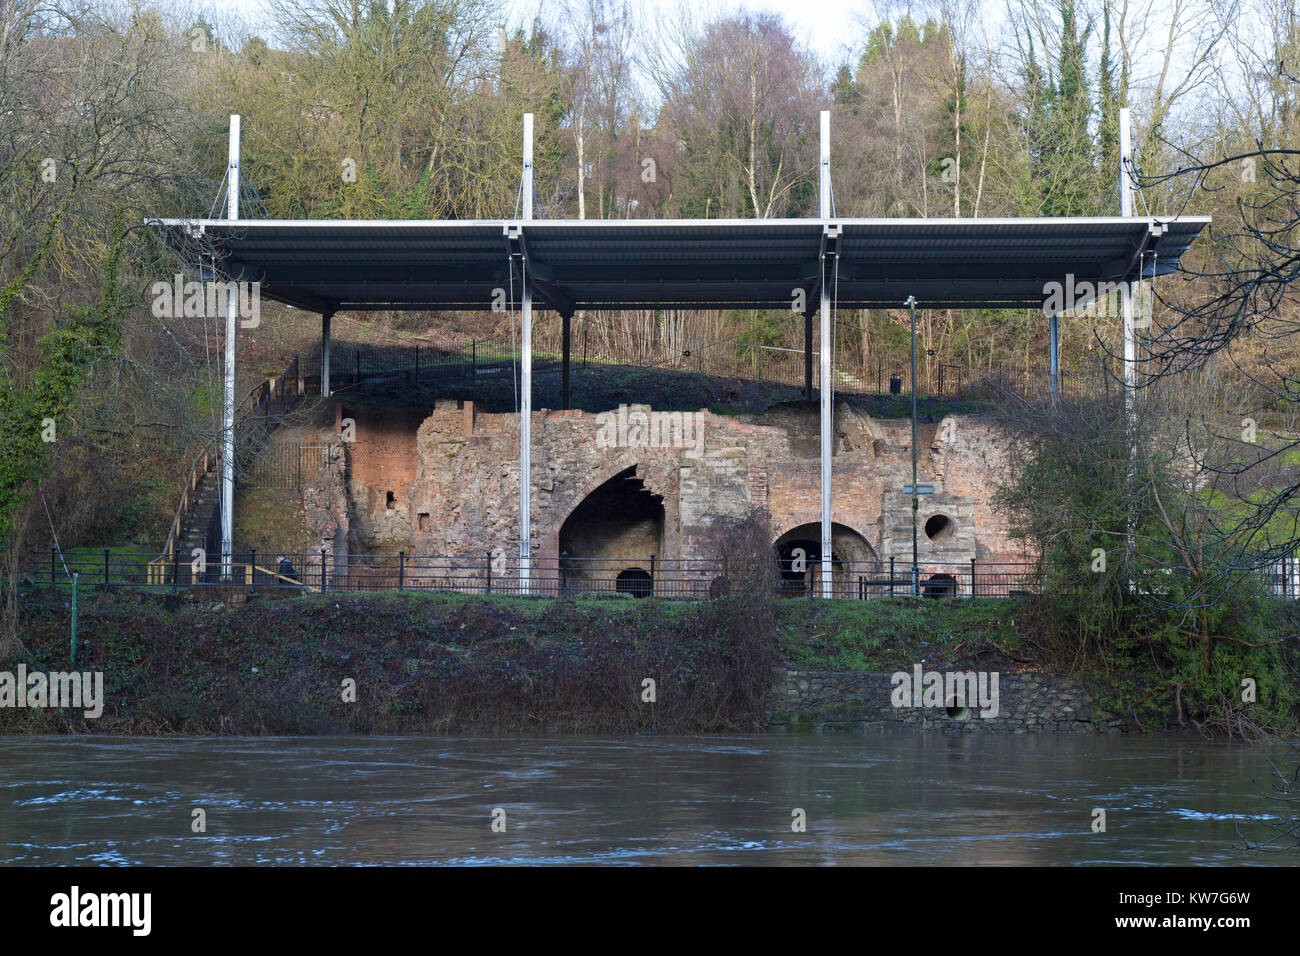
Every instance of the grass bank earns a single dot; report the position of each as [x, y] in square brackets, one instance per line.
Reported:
[451, 663]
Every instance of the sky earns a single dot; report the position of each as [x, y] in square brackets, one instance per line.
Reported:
[820, 24]
[825, 27]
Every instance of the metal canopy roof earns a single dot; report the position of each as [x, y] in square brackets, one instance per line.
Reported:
[341, 265]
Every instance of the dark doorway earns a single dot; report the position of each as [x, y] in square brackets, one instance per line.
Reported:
[799, 555]
[634, 581]
[939, 585]
[617, 528]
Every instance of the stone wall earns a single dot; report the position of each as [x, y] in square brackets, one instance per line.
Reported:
[325, 493]
[839, 701]
[969, 457]
[446, 481]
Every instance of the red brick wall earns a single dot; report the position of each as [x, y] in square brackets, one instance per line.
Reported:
[382, 460]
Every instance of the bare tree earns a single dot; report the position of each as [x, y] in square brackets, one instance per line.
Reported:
[743, 103]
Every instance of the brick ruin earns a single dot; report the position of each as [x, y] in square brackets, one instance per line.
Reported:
[623, 485]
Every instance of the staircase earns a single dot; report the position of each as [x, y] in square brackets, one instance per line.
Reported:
[201, 515]
[197, 506]
[196, 524]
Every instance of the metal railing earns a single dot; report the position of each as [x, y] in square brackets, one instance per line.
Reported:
[285, 464]
[269, 399]
[1283, 578]
[863, 580]
[630, 576]
[356, 366]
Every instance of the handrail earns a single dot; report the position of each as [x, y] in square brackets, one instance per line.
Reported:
[205, 457]
[190, 484]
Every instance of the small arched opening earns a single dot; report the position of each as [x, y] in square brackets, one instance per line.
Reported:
[634, 581]
[939, 585]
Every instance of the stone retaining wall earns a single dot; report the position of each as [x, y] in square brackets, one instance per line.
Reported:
[838, 701]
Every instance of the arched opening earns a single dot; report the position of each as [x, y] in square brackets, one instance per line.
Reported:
[799, 556]
[616, 529]
[634, 581]
[939, 527]
[939, 585]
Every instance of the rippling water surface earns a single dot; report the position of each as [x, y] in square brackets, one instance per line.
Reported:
[890, 799]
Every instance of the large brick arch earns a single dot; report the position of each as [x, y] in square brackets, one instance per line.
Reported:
[838, 529]
[563, 505]
[847, 545]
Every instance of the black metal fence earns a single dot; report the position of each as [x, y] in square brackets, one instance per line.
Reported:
[632, 577]
[497, 573]
[960, 381]
[284, 464]
[863, 580]
[354, 366]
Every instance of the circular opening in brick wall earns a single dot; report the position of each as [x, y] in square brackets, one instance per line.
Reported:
[939, 527]
[634, 581]
[957, 711]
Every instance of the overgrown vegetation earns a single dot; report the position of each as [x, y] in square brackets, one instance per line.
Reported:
[1154, 559]
[450, 663]
[438, 663]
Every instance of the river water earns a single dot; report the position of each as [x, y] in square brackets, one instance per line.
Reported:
[897, 798]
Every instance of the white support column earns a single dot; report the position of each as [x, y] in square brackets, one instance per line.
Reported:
[526, 375]
[325, 353]
[1130, 337]
[1126, 209]
[228, 385]
[824, 354]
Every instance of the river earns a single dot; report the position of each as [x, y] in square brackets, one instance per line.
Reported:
[895, 798]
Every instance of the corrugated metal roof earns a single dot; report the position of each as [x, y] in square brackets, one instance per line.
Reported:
[341, 265]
